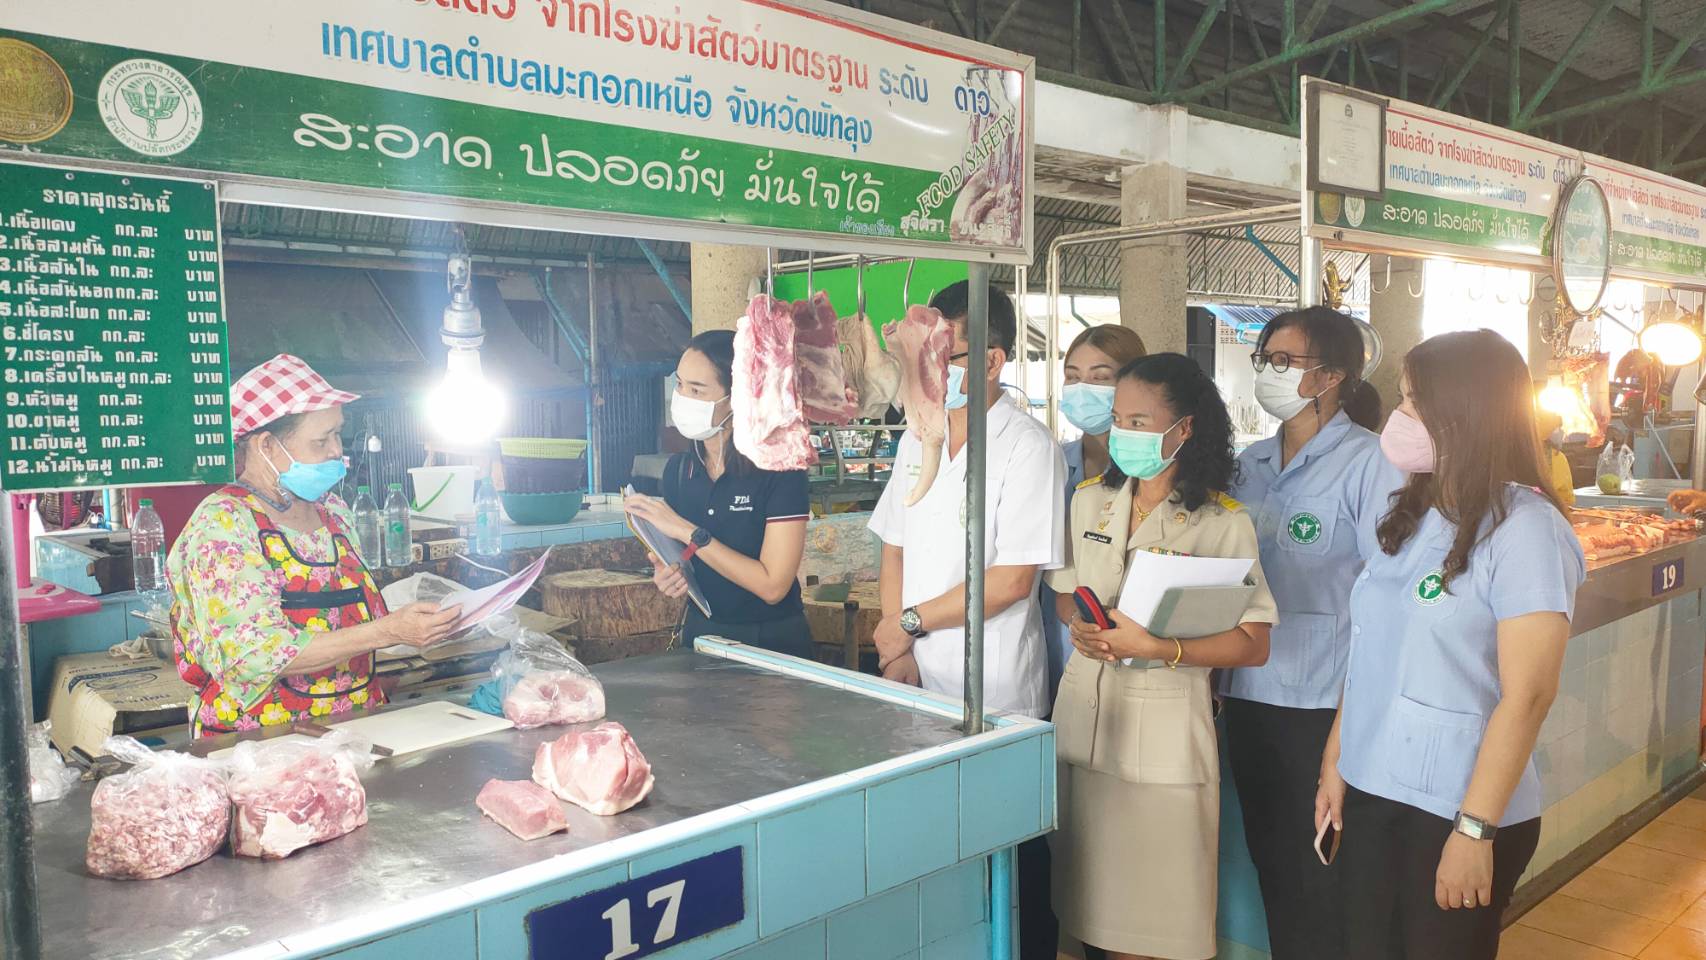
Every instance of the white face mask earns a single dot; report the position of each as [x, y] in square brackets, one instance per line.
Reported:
[694, 419]
[1277, 392]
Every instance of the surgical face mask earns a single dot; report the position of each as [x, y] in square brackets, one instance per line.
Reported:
[310, 481]
[1406, 443]
[1138, 452]
[956, 387]
[694, 418]
[1088, 406]
[1278, 392]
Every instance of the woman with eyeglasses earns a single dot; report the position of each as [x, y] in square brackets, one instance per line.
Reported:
[1316, 489]
[1458, 630]
[1136, 856]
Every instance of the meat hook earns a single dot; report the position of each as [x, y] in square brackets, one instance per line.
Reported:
[770, 271]
[1415, 293]
[859, 283]
[1388, 286]
[906, 285]
[811, 259]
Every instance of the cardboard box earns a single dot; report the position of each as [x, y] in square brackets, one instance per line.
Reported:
[95, 696]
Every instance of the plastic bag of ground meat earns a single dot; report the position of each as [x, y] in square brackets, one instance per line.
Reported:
[541, 683]
[289, 794]
[167, 812]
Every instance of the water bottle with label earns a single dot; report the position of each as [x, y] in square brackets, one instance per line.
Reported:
[368, 529]
[148, 554]
[488, 522]
[398, 550]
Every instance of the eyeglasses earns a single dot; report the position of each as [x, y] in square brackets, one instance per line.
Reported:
[1281, 361]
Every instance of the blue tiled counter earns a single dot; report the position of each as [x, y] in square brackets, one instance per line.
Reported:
[1626, 725]
[800, 813]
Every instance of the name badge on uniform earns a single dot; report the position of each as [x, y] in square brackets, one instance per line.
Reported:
[1098, 537]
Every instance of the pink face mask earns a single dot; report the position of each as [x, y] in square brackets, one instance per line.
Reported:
[1406, 443]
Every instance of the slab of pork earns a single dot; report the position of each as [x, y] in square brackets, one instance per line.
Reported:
[872, 373]
[522, 807]
[769, 420]
[923, 341]
[553, 696]
[600, 770]
[825, 389]
[283, 807]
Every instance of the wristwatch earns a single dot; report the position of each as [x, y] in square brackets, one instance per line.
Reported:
[1474, 827]
[696, 541]
[912, 622]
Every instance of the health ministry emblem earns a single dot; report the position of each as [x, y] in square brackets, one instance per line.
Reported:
[1305, 528]
[150, 107]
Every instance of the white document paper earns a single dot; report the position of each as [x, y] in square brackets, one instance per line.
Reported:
[487, 602]
[1149, 575]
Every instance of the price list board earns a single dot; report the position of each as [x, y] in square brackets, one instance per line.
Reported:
[114, 368]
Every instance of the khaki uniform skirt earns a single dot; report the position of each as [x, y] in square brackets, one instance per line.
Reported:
[1135, 860]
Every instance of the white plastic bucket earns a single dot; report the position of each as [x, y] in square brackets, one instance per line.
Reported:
[444, 493]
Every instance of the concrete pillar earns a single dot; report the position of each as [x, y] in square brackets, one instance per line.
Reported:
[1397, 317]
[1155, 274]
[722, 280]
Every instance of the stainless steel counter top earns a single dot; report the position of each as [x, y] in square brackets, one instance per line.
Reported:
[1623, 586]
[717, 734]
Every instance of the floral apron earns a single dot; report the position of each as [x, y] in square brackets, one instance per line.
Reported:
[315, 596]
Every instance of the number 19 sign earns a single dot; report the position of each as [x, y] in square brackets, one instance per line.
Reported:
[644, 916]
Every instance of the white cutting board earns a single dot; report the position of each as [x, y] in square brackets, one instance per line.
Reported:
[407, 730]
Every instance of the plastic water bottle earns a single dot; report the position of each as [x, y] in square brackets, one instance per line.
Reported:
[488, 520]
[398, 550]
[148, 554]
[368, 527]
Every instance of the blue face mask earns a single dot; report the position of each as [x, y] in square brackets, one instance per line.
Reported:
[310, 481]
[1138, 452]
[1088, 406]
[956, 387]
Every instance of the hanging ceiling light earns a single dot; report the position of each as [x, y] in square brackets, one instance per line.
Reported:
[465, 407]
[1675, 343]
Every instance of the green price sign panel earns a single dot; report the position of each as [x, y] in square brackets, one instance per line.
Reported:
[113, 361]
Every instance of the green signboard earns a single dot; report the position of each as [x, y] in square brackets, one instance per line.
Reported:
[113, 363]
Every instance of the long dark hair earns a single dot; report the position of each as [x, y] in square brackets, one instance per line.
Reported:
[1471, 389]
[1206, 463]
[718, 346]
[1334, 338]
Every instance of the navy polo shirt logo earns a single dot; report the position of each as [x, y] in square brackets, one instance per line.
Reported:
[742, 503]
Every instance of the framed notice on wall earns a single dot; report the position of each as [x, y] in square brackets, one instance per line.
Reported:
[113, 355]
[1347, 142]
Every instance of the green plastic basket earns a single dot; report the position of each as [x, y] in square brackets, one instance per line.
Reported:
[544, 448]
[536, 509]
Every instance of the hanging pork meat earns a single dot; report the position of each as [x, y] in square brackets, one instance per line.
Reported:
[825, 390]
[872, 373]
[769, 420]
[923, 342]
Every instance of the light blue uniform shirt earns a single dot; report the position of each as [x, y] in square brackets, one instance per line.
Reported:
[1315, 525]
[1056, 637]
[1424, 669]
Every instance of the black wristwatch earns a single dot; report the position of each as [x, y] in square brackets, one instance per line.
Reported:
[1474, 827]
[700, 537]
[912, 622]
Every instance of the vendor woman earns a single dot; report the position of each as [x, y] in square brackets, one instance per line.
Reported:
[276, 617]
[745, 528]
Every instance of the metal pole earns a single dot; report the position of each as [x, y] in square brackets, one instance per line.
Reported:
[1697, 455]
[1020, 295]
[595, 438]
[1309, 261]
[977, 419]
[18, 907]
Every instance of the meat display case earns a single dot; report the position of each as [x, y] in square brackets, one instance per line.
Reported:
[800, 804]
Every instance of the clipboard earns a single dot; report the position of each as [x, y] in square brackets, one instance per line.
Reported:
[669, 550]
[1186, 613]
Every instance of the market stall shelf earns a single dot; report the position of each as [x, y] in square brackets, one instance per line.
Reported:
[805, 805]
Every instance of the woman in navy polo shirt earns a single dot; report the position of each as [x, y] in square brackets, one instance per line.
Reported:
[745, 528]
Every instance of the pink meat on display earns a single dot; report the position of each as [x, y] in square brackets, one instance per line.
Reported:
[825, 390]
[923, 341]
[600, 770]
[522, 807]
[769, 421]
[156, 820]
[553, 696]
[990, 207]
[283, 807]
[872, 374]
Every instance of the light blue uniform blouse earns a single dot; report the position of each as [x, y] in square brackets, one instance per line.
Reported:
[1424, 675]
[1315, 525]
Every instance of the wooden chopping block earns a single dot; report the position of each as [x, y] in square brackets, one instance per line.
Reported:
[827, 618]
[609, 603]
[591, 650]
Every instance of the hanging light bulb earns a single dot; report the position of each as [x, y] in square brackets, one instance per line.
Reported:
[1674, 343]
[1557, 398]
[465, 406]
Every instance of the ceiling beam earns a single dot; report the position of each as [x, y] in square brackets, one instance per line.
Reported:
[1677, 82]
[1569, 56]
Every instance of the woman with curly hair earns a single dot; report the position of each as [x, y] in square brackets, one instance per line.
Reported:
[1139, 780]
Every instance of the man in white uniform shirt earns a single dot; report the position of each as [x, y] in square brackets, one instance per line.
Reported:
[921, 638]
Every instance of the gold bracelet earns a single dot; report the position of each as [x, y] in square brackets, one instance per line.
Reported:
[1177, 656]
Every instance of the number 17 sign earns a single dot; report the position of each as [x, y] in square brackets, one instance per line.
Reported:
[644, 916]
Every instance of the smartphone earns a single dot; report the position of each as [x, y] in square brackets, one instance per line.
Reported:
[1091, 609]
[1327, 842]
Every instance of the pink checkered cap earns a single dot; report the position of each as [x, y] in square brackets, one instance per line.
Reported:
[278, 388]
